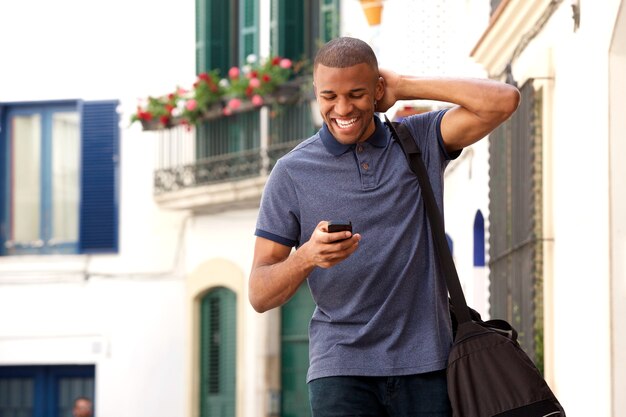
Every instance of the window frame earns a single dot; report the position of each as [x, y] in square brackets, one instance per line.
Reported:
[42, 245]
[99, 134]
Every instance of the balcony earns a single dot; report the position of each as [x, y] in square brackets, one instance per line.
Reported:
[224, 162]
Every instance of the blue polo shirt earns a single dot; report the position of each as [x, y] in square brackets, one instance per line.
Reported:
[383, 311]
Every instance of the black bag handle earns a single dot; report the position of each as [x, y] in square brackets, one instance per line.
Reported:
[414, 157]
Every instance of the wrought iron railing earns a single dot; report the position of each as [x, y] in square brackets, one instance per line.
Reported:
[233, 148]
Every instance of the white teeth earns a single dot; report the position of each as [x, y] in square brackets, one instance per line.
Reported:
[345, 123]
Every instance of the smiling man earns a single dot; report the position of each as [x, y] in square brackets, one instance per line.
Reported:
[380, 334]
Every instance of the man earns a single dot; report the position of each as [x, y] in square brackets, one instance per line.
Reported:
[380, 335]
[82, 407]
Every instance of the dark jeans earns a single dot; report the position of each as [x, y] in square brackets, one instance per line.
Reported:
[423, 395]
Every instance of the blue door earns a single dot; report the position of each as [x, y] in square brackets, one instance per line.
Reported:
[44, 391]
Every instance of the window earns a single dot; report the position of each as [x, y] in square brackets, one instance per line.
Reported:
[226, 33]
[300, 27]
[58, 188]
[479, 240]
[218, 343]
[44, 391]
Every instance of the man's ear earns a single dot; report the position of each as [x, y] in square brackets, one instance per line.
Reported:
[380, 88]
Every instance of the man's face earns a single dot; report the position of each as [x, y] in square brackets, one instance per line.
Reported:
[82, 408]
[346, 98]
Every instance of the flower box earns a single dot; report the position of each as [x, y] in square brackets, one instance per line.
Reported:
[268, 83]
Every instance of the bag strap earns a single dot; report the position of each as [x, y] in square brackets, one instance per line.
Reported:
[414, 157]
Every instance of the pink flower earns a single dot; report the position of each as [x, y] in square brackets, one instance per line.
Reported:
[233, 73]
[191, 105]
[255, 82]
[181, 91]
[226, 111]
[285, 63]
[257, 100]
[234, 103]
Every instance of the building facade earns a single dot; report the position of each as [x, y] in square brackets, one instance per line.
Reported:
[556, 206]
[126, 249]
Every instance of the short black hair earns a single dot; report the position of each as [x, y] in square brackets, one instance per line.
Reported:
[346, 52]
[81, 398]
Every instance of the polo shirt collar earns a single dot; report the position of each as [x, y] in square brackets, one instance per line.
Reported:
[379, 139]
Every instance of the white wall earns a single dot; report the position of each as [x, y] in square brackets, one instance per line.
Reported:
[131, 330]
[617, 85]
[467, 191]
[581, 229]
[573, 66]
[124, 313]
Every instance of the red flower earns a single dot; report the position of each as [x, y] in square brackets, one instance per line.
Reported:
[234, 103]
[276, 60]
[169, 108]
[164, 120]
[257, 100]
[144, 115]
[204, 76]
[266, 78]
[249, 91]
[233, 73]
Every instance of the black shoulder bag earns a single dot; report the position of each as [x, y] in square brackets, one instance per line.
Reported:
[488, 373]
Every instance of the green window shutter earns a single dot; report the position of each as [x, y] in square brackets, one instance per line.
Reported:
[289, 28]
[248, 29]
[275, 32]
[295, 317]
[214, 44]
[218, 346]
[329, 20]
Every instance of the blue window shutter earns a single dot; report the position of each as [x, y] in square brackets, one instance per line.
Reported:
[99, 177]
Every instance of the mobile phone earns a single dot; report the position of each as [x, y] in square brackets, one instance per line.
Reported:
[339, 226]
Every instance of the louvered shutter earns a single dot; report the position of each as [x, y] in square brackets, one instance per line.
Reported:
[289, 28]
[214, 44]
[218, 347]
[248, 29]
[99, 205]
[329, 20]
[295, 317]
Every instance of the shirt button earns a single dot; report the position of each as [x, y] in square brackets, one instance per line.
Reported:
[365, 166]
[359, 148]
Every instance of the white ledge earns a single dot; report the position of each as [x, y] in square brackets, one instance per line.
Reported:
[215, 197]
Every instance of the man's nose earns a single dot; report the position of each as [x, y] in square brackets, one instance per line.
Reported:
[343, 107]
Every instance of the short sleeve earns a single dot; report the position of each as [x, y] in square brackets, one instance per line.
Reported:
[279, 214]
[427, 126]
